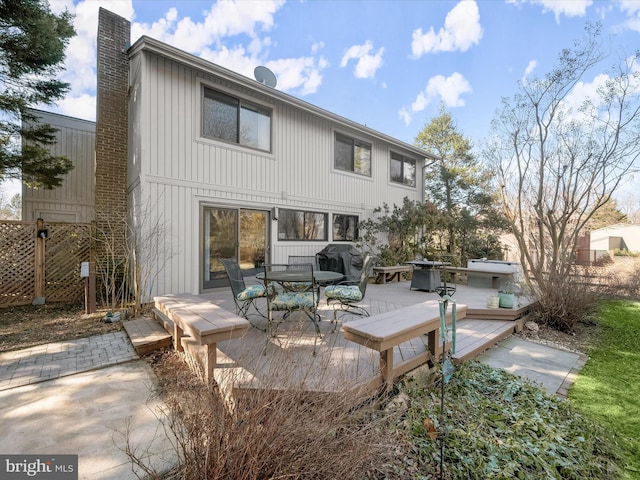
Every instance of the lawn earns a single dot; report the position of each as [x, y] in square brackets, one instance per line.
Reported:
[608, 388]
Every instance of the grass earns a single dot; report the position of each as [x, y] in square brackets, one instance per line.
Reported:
[608, 388]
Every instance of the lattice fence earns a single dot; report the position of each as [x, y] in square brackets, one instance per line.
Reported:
[67, 245]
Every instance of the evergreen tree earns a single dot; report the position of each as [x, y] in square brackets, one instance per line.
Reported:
[32, 44]
[458, 185]
[607, 214]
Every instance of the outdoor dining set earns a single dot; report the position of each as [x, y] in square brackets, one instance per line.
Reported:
[295, 287]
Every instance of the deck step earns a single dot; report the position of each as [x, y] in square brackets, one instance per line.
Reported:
[476, 336]
[483, 313]
[146, 335]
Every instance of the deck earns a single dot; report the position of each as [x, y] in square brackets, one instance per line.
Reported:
[340, 365]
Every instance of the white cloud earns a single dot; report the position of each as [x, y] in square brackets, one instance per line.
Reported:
[569, 8]
[461, 30]
[590, 91]
[531, 66]
[405, 116]
[585, 91]
[235, 58]
[301, 75]
[367, 65]
[631, 8]
[244, 22]
[83, 106]
[448, 89]
[223, 20]
[209, 39]
[80, 55]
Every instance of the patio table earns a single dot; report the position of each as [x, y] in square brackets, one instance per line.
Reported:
[321, 276]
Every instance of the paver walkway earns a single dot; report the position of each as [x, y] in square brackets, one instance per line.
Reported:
[552, 369]
[55, 360]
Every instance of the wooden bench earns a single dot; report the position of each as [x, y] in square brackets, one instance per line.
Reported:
[495, 276]
[205, 324]
[388, 330]
[387, 274]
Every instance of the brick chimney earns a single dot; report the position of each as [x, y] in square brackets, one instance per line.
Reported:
[112, 127]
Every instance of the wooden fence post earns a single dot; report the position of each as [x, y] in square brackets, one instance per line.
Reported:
[41, 238]
[89, 286]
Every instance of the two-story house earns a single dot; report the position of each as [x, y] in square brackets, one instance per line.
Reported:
[210, 164]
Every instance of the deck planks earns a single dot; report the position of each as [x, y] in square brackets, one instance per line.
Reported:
[146, 335]
[339, 364]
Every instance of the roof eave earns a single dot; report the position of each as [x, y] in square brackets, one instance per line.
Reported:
[149, 44]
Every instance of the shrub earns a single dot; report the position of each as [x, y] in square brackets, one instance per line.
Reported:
[270, 433]
[498, 427]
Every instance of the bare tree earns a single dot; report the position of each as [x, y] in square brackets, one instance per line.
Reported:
[128, 277]
[560, 152]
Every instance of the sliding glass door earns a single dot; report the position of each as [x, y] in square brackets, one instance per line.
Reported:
[233, 232]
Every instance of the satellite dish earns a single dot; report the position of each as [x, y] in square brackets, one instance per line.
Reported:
[265, 76]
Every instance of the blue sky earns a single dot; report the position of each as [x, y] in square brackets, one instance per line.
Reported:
[386, 64]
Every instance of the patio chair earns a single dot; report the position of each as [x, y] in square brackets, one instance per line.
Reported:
[295, 259]
[291, 288]
[244, 297]
[294, 263]
[347, 298]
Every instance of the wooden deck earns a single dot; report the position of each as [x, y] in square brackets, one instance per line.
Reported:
[476, 336]
[340, 365]
[145, 335]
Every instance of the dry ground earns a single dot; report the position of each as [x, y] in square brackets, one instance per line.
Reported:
[584, 338]
[23, 327]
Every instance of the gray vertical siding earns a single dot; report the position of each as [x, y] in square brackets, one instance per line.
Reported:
[179, 170]
[73, 200]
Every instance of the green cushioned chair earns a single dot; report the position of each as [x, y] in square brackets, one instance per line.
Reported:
[291, 288]
[244, 297]
[347, 298]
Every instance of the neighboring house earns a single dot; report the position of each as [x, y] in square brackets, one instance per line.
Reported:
[211, 164]
[616, 237]
[73, 201]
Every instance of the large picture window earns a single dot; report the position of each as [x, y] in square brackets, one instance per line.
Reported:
[403, 170]
[234, 120]
[301, 225]
[345, 228]
[352, 155]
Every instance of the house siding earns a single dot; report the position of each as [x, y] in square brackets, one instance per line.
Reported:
[177, 171]
[73, 200]
[619, 236]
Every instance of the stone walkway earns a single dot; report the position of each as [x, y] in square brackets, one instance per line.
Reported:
[55, 360]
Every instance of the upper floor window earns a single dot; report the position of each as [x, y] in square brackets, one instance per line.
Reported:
[352, 155]
[301, 225]
[234, 120]
[403, 169]
[345, 227]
